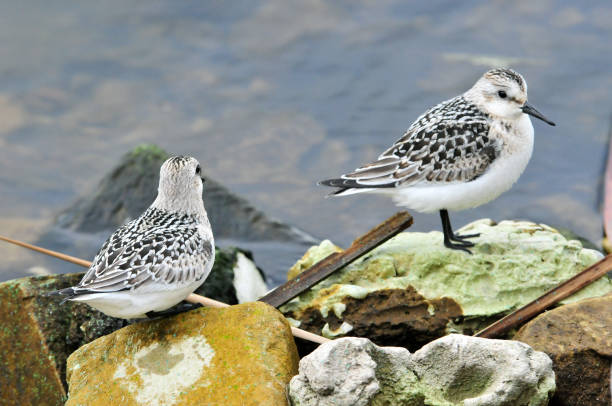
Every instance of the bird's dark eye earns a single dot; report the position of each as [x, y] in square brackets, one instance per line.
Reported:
[198, 170]
[502, 94]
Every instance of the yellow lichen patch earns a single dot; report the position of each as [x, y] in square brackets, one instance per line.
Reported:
[241, 355]
[312, 256]
[28, 376]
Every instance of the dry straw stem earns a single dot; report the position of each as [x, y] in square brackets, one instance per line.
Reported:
[192, 298]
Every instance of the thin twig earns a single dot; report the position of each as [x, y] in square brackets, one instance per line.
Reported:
[45, 251]
[192, 298]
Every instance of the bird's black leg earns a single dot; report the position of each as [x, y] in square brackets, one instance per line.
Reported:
[179, 308]
[451, 240]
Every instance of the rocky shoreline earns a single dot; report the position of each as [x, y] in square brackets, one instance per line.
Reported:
[400, 318]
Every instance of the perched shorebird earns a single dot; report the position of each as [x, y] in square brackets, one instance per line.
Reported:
[460, 154]
[155, 261]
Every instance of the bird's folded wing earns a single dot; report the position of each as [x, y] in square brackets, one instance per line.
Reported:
[163, 256]
[437, 154]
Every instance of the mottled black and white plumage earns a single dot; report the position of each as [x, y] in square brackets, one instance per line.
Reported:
[449, 143]
[155, 261]
[459, 154]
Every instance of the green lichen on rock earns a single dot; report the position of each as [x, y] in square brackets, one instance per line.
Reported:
[38, 334]
[146, 155]
[243, 354]
[513, 263]
[312, 256]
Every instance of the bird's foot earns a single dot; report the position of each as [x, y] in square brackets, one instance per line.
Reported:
[173, 311]
[461, 246]
[460, 238]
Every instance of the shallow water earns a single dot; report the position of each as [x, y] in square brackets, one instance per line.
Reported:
[274, 95]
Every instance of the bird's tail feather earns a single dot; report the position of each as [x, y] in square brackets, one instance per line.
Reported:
[348, 191]
[345, 187]
[68, 292]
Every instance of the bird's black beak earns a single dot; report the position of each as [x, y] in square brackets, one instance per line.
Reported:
[529, 109]
[203, 179]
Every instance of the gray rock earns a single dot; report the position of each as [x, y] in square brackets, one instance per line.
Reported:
[131, 187]
[453, 370]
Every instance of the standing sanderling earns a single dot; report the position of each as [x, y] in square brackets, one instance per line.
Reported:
[460, 154]
[155, 261]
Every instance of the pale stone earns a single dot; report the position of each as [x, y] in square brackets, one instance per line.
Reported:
[454, 370]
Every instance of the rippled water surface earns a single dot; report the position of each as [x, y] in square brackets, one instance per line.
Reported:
[274, 95]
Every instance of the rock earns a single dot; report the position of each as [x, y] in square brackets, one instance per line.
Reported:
[38, 334]
[412, 289]
[41, 332]
[234, 278]
[571, 235]
[241, 355]
[454, 370]
[131, 187]
[578, 338]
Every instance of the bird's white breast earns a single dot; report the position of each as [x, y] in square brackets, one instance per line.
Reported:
[517, 146]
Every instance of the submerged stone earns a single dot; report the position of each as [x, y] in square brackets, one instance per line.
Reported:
[243, 354]
[412, 289]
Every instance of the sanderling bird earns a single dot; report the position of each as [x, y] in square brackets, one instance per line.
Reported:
[155, 261]
[460, 154]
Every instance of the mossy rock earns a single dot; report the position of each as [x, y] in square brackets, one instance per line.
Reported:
[240, 355]
[37, 334]
[411, 289]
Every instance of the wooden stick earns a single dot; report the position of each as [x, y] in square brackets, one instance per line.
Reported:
[560, 292]
[306, 335]
[45, 251]
[333, 262]
[192, 298]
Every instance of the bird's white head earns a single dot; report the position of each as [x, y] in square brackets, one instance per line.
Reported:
[502, 93]
[180, 186]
